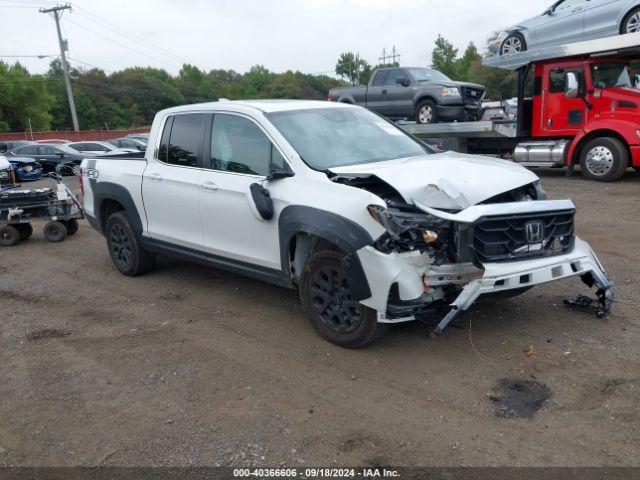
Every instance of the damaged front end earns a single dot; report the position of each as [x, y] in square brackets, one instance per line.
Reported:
[431, 264]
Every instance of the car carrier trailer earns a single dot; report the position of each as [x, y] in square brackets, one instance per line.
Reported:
[577, 105]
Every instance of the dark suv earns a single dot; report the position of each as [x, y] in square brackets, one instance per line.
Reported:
[49, 156]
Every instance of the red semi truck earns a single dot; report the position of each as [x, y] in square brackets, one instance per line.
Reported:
[577, 105]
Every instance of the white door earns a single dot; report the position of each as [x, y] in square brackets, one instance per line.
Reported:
[170, 183]
[239, 155]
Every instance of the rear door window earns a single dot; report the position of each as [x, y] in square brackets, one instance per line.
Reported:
[185, 141]
[381, 78]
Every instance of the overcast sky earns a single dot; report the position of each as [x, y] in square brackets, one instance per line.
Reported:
[305, 35]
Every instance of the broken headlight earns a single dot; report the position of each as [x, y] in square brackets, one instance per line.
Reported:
[410, 230]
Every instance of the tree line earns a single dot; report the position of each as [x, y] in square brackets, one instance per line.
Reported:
[131, 97]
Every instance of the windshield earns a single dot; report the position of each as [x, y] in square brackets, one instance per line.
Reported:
[609, 75]
[335, 137]
[427, 75]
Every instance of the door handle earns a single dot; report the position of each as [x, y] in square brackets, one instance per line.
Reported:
[154, 176]
[209, 186]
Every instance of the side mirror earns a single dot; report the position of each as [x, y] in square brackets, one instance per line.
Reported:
[548, 11]
[572, 86]
[636, 81]
[262, 200]
[404, 81]
[279, 173]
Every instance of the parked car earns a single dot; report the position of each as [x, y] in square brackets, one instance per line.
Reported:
[25, 169]
[6, 172]
[99, 148]
[370, 225]
[143, 137]
[5, 146]
[49, 156]
[569, 21]
[128, 143]
[422, 94]
[53, 141]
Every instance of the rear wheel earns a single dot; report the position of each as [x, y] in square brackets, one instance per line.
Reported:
[604, 159]
[631, 23]
[72, 226]
[25, 230]
[124, 247]
[513, 44]
[55, 232]
[326, 299]
[426, 112]
[9, 236]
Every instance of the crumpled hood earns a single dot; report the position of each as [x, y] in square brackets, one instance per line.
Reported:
[449, 180]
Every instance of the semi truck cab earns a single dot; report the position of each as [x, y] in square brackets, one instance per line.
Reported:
[577, 105]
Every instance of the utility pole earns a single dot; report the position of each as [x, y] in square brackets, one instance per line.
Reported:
[57, 13]
[383, 59]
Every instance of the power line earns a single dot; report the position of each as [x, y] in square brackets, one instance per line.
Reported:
[120, 44]
[125, 34]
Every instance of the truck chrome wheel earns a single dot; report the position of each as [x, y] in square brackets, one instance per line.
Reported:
[599, 161]
[426, 114]
[332, 302]
[633, 23]
[511, 45]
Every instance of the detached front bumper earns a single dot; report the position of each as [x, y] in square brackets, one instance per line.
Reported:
[459, 113]
[418, 282]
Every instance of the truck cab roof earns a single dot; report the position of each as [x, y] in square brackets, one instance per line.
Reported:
[266, 106]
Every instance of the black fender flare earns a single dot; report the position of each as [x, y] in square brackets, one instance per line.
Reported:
[340, 231]
[105, 191]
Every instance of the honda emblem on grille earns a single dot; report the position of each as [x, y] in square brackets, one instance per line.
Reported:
[534, 232]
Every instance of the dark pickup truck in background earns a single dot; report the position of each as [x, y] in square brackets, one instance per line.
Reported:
[421, 94]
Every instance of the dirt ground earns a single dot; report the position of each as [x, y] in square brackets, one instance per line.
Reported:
[194, 366]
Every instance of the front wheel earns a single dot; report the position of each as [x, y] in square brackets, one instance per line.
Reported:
[513, 44]
[604, 159]
[327, 301]
[426, 112]
[55, 231]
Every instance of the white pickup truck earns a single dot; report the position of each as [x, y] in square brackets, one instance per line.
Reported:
[369, 224]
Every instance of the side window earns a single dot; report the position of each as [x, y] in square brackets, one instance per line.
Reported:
[567, 4]
[185, 140]
[163, 150]
[394, 75]
[558, 80]
[81, 146]
[48, 151]
[239, 146]
[29, 151]
[381, 78]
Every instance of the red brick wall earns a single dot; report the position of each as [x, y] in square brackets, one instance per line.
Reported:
[72, 136]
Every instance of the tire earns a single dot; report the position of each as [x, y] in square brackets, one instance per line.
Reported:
[631, 22]
[604, 159]
[9, 236]
[72, 226]
[25, 230]
[426, 112]
[124, 247]
[55, 232]
[513, 44]
[326, 300]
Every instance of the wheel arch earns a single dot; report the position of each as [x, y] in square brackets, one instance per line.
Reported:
[580, 141]
[109, 198]
[623, 17]
[305, 230]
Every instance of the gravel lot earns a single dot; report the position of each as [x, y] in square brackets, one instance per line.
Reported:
[194, 366]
